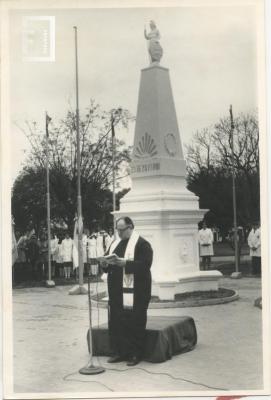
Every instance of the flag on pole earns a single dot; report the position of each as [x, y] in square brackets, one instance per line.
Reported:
[112, 127]
[75, 252]
[78, 227]
[48, 120]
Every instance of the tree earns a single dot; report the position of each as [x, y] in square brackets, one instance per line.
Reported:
[29, 199]
[210, 162]
[96, 168]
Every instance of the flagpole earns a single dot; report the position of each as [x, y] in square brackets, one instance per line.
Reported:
[79, 198]
[237, 273]
[78, 289]
[49, 282]
[113, 172]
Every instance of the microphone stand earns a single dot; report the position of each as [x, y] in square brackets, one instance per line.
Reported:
[90, 369]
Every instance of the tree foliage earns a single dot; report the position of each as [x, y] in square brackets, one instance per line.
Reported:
[213, 156]
[29, 191]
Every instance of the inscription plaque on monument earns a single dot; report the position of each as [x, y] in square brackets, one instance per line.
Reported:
[145, 168]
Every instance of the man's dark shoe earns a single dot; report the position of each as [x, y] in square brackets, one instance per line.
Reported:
[133, 361]
[115, 359]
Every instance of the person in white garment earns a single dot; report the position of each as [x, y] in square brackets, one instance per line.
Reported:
[109, 238]
[76, 253]
[54, 249]
[101, 242]
[254, 242]
[206, 249]
[92, 254]
[59, 257]
[66, 250]
[85, 245]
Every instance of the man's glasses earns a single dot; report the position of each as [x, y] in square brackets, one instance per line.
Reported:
[122, 229]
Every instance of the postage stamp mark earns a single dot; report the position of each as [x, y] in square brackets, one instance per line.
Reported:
[38, 38]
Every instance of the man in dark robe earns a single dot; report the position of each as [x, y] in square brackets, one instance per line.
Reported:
[127, 324]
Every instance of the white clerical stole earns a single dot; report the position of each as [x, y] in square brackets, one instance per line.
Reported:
[128, 283]
[128, 279]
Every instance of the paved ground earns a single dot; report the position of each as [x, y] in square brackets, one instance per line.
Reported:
[50, 343]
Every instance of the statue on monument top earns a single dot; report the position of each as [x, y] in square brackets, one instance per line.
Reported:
[154, 47]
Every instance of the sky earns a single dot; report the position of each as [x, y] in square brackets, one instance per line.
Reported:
[211, 53]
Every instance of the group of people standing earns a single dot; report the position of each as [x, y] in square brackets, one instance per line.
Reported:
[206, 240]
[32, 251]
[32, 260]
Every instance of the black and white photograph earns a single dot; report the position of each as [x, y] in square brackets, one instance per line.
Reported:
[135, 233]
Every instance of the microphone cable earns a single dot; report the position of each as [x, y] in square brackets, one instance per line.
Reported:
[140, 368]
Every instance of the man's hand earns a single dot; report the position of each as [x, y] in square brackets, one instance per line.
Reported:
[110, 259]
[120, 262]
[104, 264]
[106, 260]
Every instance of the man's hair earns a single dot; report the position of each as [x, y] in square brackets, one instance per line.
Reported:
[127, 221]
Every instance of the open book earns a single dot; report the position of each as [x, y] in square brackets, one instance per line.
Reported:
[110, 257]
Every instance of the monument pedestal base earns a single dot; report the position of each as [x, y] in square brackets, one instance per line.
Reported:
[173, 235]
[189, 282]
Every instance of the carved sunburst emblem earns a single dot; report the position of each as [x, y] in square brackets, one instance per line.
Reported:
[146, 147]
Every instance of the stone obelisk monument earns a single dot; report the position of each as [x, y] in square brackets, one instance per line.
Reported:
[164, 211]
